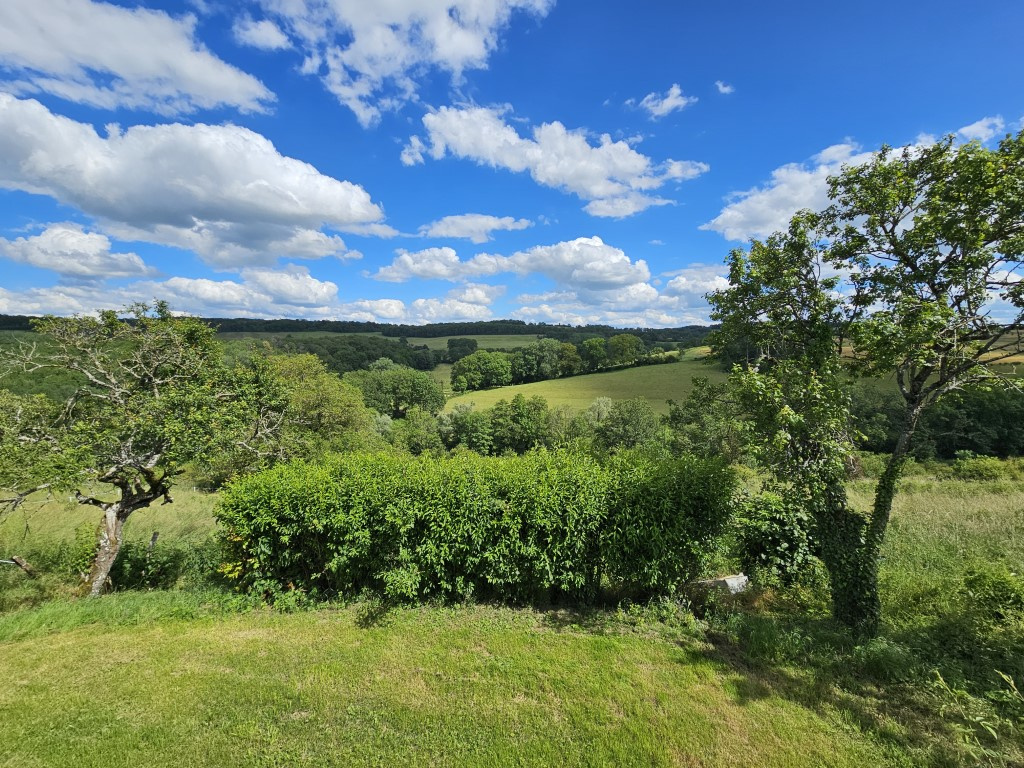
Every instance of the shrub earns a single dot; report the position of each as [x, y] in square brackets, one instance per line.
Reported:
[992, 594]
[774, 540]
[968, 467]
[666, 518]
[519, 528]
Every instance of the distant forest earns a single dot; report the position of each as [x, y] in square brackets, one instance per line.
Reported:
[685, 336]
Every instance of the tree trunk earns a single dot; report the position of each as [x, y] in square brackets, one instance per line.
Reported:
[885, 491]
[108, 546]
[852, 544]
[852, 567]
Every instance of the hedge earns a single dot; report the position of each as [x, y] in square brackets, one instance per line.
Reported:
[518, 528]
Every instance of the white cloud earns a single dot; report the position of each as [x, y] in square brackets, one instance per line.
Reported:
[73, 253]
[369, 54]
[267, 293]
[223, 191]
[758, 212]
[445, 310]
[292, 285]
[436, 264]
[724, 88]
[112, 57]
[612, 176]
[476, 227]
[263, 34]
[412, 153]
[695, 281]
[983, 130]
[658, 106]
[586, 263]
[477, 293]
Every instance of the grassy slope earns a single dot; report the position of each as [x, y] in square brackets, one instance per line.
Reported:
[468, 686]
[656, 383]
[481, 686]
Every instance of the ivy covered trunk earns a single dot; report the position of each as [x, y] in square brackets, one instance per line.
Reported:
[851, 543]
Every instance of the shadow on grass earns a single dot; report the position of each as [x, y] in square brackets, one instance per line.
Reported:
[889, 688]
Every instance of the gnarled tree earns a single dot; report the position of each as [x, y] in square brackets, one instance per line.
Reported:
[152, 398]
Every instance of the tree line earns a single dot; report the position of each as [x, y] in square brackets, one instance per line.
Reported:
[551, 359]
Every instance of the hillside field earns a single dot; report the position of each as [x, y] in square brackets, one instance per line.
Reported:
[655, 383]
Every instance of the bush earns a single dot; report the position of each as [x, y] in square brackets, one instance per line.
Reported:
[774, 540]
[666, 518]
[992, 594]
[969, 467]
[518, 528]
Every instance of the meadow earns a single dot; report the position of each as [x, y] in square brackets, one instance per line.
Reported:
[655, 383]
[198, 675]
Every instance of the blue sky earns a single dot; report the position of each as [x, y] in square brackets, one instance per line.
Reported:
[417, 161]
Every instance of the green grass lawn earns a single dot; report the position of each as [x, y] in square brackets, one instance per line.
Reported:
[196, 677]
[424, 687]
[656, 383]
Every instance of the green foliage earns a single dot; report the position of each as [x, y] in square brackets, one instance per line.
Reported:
[463, 426]
[628, 424]
[417, 433]
[393, 389]
[480, 370]
[707, 423]
[624, 349]
[774, 539]
[992, 594]
[594, 353]
[666, 519]
[342, 353]
[460, 347]
[886, 661]
[514, 528]
[968, 467]
[520, 425]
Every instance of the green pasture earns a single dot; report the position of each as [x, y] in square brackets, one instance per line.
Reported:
[655, 383]
[201, 677]
[422, 687]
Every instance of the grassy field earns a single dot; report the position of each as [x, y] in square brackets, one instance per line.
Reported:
[200, 677]
[656, 383]
[423, 687]
[483, 341]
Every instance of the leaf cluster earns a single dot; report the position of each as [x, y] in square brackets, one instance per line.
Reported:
[527, 528]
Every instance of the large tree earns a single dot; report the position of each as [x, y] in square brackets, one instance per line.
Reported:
[913, 272]
[153, 398]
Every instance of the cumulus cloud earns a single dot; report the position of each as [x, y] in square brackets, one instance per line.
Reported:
[477, 293]
[476, 227]
[758, 212]
[436, 264]
[615, 178]
[292, 285]
[586, 263]
[258, 294]
[696, 281]
[263, 34]
[983, 130]
[223, 191]
[74, 254]
[657, 106]
[111, 57]
[445, 310]
[724, 88]
[369, 54]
